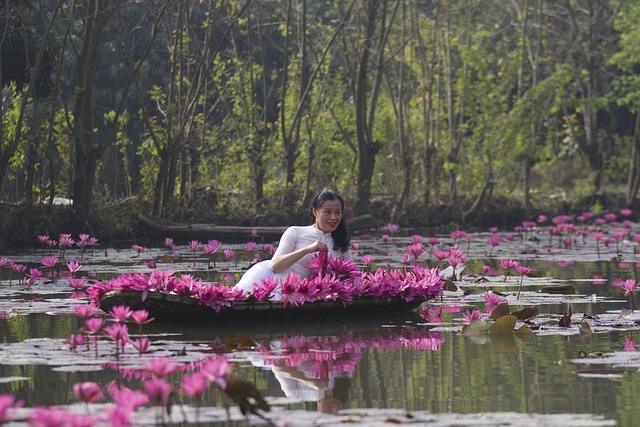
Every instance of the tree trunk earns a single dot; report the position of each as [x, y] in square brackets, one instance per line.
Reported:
[366, 101]
[86, 151]
[633, 181]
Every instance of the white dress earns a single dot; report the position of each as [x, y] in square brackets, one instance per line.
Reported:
[294, 238]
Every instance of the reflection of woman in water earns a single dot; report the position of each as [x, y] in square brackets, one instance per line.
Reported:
[319, 368]
[305, 382]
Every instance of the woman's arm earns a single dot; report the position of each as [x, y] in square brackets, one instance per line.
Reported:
[279, 263]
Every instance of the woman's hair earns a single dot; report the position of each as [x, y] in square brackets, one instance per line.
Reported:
[340, 235]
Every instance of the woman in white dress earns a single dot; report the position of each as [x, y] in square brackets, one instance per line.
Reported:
[298, 244]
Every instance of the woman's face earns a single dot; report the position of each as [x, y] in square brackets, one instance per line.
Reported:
[328, 215]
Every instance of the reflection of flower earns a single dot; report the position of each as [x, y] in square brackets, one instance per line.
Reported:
[629, 344]
[334, 356]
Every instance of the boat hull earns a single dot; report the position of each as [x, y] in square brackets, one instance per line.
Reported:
[175, 308]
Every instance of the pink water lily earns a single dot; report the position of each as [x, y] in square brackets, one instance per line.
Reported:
[33, 276]
[523, 270]
[391, 228]
[415, 250]
[195, 385]
[492, 300]
[120, 313]
[84, 311]
[629, 286]
[319, 263]
[194, 245]
[8, 405]
[290, 293]
[507, 265]
[441, 255]
[160, 367]
[49, 261]
[494, 241]
[158, 390]
[119, 334]
[142, 344]
[216, 369]
[264, 291]
[367, 259]
[94, 325]
[470, 316]
[140, 317]
[139, 249]
[74, 341]
[49, 417]
[229, 253]
[127, 398]
[88, 392]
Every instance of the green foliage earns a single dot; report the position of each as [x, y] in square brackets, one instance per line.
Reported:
[490, 91]
[113, 220]
[12, 100]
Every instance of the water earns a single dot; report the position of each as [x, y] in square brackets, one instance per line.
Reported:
[399, 365]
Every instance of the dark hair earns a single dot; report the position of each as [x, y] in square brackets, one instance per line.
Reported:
[340, 235]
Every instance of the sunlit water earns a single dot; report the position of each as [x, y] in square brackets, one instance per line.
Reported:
[407, 362]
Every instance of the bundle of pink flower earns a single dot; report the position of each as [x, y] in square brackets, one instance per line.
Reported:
[331, 279]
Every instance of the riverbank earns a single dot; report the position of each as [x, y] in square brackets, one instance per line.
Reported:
[116, 223]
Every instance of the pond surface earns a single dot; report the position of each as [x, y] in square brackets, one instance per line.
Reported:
[428, 366]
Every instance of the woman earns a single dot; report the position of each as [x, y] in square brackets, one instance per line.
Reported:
[298, 244]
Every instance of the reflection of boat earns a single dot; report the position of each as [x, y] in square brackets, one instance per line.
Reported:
[159, 228]
[176, 308]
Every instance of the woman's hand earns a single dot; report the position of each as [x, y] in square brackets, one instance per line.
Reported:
[281, 262]
[317, 246]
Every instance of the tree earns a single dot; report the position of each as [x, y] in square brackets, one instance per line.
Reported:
[364, 56]
[628, 90]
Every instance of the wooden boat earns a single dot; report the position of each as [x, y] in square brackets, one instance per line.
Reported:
[175, 308]
[159, 228]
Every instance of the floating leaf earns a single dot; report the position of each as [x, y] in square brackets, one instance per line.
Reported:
[500, 310]
[565, 320]
[504, 325]
[449, 286]
[526, 313]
